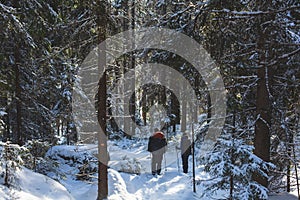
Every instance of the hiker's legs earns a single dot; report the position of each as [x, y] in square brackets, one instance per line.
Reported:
[153, 164]
[156, 162]
[159, 161]
[185, 163]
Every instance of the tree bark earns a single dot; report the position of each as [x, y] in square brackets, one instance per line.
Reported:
[132, 66]
[263, 102]
[19, 138]
[183, 114]
[262, 126]
[102, 108]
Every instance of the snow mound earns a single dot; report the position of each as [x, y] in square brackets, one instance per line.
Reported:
[4, 193]
[34, 186]
[37, 186]
[118, 188]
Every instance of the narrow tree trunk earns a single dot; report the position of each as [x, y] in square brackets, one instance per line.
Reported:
[144, 106]
[296, 172]
[19, 138]
[102, 142]
[263, 104]
[183, 109]
[231, 154]
[102, 97]
[132, 66]
[262, 126]
[263, 101]
[6, 125]
[6, 177]
[125, 67]
[289, 163]
[175, 109]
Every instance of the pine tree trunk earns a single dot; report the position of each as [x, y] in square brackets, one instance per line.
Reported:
[125, 67]
[144, 106]
[17, 57]
[102, 141]
[175, 109]
[183, 111]
[262, 127]
[264, 75]
[289, 163]
[132, 66]
[102, 108]
[263, 101]
[6, 131]
[6, 177]
[18, 98]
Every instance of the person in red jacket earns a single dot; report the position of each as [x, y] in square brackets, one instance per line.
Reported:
[157, 146]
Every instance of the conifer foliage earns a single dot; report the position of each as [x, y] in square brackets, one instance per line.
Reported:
[231, 166]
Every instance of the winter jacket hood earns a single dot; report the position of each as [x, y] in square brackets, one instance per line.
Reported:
[159, 135]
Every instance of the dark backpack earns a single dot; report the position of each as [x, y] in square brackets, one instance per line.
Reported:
[156, 143]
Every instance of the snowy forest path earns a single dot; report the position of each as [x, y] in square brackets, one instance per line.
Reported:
[143, 157]
[144, 185]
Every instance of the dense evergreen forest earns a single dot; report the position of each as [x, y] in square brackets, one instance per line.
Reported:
[254, 44]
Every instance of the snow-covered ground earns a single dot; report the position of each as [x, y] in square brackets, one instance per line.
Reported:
[34, 186]
[172, 184]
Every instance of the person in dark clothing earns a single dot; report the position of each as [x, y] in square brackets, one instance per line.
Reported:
[186, 151]
[157, 146]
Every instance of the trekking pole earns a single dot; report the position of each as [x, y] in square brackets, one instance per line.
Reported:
[296, 171]
[165, 149]
[165, 162]
[177, 159]
[150, 162]
[193, 155]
